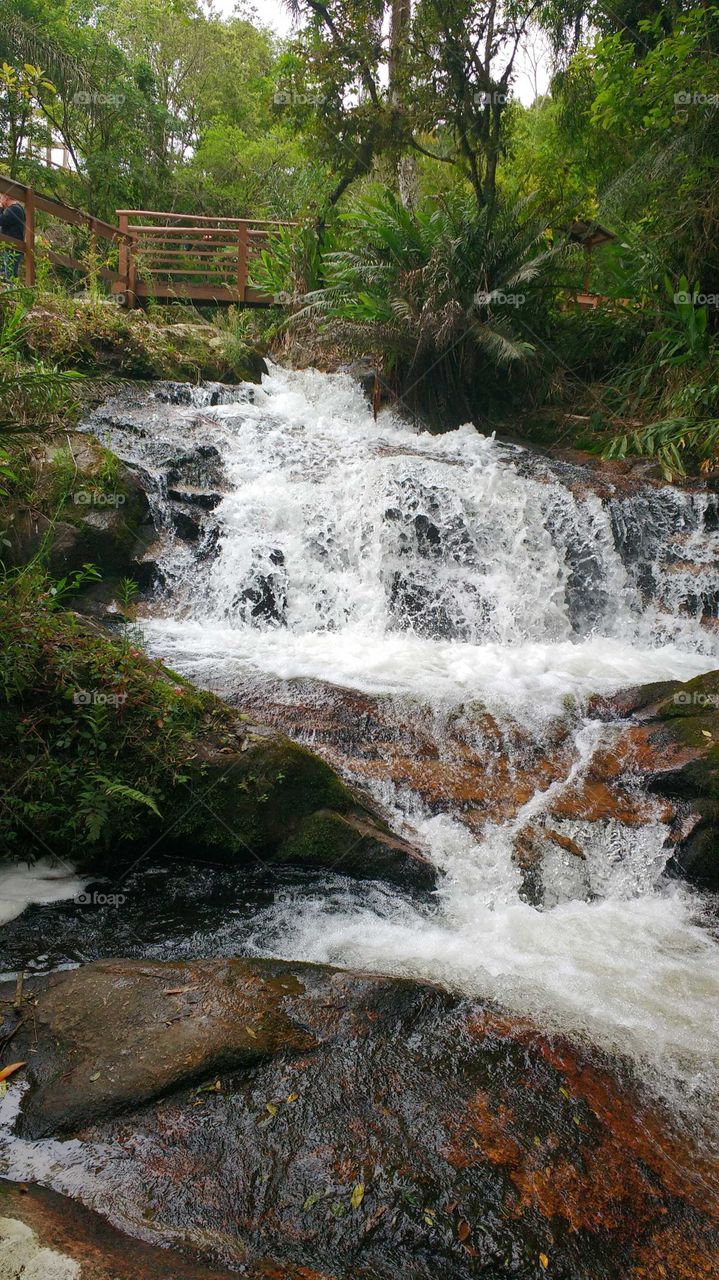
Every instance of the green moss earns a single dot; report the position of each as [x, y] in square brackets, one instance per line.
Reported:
[252, 799]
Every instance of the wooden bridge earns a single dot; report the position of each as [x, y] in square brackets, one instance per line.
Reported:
[158, 255]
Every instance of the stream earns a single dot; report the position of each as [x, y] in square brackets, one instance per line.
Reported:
[431, 614]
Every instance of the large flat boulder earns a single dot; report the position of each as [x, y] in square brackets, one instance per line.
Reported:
[280, 1119]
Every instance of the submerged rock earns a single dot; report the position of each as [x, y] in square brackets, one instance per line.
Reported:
[313, 1122]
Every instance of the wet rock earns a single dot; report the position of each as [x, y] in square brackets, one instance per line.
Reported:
[195, 498]
[671, 746]
[199, 466]
[185, 526]
[46, 1236]
[266, 597]
[357, 1126]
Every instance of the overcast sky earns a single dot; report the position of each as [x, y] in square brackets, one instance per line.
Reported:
[275, 14]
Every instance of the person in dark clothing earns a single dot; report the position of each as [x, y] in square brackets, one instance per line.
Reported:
[12, 223]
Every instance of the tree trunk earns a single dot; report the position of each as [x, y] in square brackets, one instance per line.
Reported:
[406, 163]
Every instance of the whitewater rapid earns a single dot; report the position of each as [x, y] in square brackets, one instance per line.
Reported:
[454, 574]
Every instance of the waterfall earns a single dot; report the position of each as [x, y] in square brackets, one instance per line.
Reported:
[473, 595]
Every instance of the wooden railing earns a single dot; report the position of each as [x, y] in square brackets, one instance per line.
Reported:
[34, 202]
[180, 255]
[160, 255]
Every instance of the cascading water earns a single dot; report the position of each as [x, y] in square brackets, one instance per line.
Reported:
[473, 595]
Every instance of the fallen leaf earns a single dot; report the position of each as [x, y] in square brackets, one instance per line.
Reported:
[96, 1076]
[177, 991]
[463, 1229]
[537, 1142]
[706, 733]
[357, 1195]
[210, 1088]
[292, 1097]
[271, 1108]
[544, 1260]
[250, 1032]
[9, 1071]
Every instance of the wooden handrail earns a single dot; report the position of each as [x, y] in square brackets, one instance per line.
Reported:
[18, 245]
[58, 209]
[203, 217]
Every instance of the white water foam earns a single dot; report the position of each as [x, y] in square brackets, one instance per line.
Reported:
[23, 883]
[453, 571]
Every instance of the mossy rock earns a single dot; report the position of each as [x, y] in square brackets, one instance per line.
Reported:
[87, 507]
[277, 801]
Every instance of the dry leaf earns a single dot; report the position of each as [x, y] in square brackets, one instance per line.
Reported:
[357, 1195]
[292, 1097]
[250, 1032]
[544, 1260]
[177, 991]
[463, 1229]
[271, 1108]
[9, 1071]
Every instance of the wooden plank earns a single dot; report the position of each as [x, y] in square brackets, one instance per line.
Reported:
[131, 291]
[181, 235]
[72, 264]
[18, 245]
[151, 251]
[190, 271]
[208, 293]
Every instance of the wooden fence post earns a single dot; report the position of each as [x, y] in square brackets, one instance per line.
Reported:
[29, 236]
[127, 266]
[132, 273]
[242, 258]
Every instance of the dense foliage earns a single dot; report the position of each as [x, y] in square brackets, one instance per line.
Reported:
[386, 127]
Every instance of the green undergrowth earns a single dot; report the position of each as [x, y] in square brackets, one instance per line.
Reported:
[97, 337]
[95, 733]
